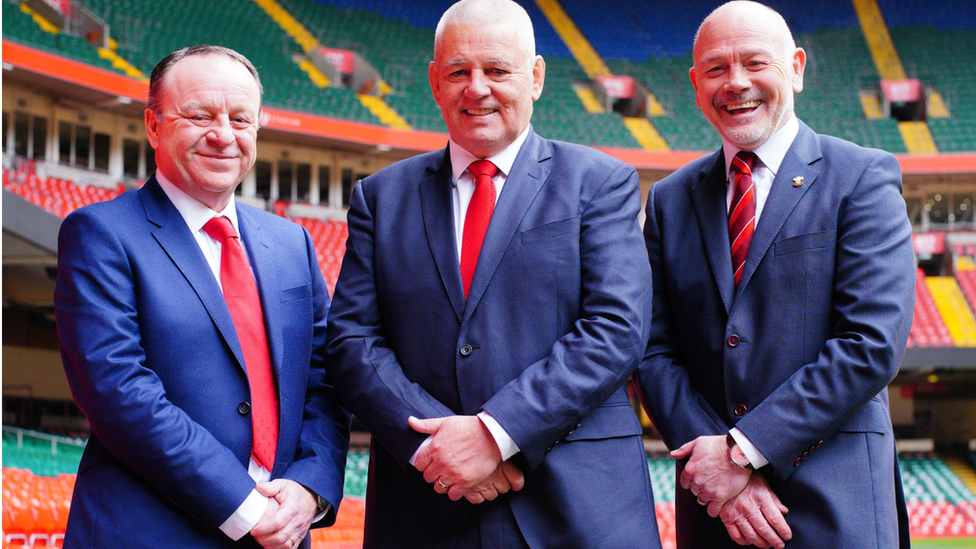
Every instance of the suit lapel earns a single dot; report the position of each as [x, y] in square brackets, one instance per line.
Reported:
[783, 197]
[435, 200]
[529, 173]
[708, 198]
[174, 237]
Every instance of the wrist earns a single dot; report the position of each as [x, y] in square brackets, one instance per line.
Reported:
[736, 456]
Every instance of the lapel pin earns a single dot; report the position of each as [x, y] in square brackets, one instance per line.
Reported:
[797, 181]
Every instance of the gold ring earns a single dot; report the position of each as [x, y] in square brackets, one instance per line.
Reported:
[291, 541]
[441, 484]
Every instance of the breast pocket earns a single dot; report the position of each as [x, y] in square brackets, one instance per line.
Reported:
[569, 226]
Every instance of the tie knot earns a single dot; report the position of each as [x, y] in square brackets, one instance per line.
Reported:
[744, 162]
[220, 228]
[479, 168]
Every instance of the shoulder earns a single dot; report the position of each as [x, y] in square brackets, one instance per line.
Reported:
[688, 175]
[407, 170]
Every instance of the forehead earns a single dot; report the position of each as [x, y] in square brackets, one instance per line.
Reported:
[462, 43]
[211, 77]
[739, 34]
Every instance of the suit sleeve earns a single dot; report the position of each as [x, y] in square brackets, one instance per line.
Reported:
[363, 368]
[125, 401]
[679, 411]
[873, 299]
[550, 398]
[324, 442]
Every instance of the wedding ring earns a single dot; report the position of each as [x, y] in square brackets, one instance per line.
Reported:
[702, 503]
[441, 484]
[291, 541]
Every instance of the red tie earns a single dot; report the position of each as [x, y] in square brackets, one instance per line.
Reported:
[742, 212]
[476, 220]
[241, 294]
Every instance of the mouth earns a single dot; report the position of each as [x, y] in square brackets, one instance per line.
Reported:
[479, 112]
[740, 108]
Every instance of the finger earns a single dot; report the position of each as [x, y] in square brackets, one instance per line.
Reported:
[776, 520]
[270, 489]
[684, 451]
[440, 486]
[431, 474]
[714, 508]
[500, 483]
[749, 534]
[735, 533]
[474, 497]
[428, 426]
[514, 476]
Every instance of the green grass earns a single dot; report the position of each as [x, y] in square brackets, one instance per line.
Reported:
[944, 543]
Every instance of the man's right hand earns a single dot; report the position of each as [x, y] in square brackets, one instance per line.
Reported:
[755, 516]
[505, 478]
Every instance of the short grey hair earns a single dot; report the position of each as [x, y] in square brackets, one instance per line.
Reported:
[159, 72]
[487, 12]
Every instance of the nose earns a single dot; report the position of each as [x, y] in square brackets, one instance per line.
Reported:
[477, 85]
[738, 78]
[221, 133]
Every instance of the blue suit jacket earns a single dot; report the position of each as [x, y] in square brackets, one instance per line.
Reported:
[799, 356]
[153, 360]
[554, 324]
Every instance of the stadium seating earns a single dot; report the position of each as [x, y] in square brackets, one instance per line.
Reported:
[939, 504]
[928, 328]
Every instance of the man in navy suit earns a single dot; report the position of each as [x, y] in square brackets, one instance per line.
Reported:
[783, 295]
[157, 360]
[479, 373]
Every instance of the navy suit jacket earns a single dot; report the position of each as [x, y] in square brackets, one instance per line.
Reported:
[554, 324]
[153, 360]
[798, 357]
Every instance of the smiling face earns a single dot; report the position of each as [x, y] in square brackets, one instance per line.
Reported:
[746, 72]
[485, 84]
[205, 136]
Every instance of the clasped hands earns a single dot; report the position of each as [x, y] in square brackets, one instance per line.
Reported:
[751, 512]
[291, 509]
[462, 459]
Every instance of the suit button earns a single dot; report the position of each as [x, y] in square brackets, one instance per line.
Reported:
[796, 461]
[244, 408]
[466, 350]
[733, 340]
[740, 410]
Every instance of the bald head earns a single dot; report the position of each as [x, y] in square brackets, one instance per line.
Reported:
[743, 14]
[485, 13]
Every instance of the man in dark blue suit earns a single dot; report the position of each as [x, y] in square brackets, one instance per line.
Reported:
[783, 295]
[166, 370]
[479, 351]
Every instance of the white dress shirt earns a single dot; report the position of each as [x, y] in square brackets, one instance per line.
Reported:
[771, 155]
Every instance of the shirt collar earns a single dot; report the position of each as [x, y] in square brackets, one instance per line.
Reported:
[773, 151]
[504, 160]
[195, 213]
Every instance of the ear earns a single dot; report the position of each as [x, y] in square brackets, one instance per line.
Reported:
[152, 129]
[538, 77]
[435, 84]
[799, 63]
[693, 75]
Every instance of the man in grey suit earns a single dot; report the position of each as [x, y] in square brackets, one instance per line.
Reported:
[783, 295]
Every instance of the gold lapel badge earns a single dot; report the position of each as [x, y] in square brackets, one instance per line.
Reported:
[797, 181]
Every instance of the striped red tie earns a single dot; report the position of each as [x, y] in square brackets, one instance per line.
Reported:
[742, 211]
[241, 293]
[476, 219]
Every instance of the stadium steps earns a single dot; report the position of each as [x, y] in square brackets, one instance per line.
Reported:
[935, 106]
[962, 470]
[119, 62]
[645, 134]
[299, 34]
[43, 23]
[383, 111]
[589, 100]
[954, 310]
[871, 105]
[928, 328]
[917, 137]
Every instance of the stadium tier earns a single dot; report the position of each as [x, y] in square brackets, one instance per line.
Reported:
[650, 42]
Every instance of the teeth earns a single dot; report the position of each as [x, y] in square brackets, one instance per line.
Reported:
[749, 105]
[480, 111]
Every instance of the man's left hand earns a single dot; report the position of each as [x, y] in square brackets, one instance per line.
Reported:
[461, 453]
[288, 525]
[709, 474]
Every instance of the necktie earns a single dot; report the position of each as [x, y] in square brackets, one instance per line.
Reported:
[742, 211]
[476, 220]
[241, 293]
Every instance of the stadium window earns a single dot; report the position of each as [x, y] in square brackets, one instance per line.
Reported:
[101, 153]
[262, 176]
[6, 128]
[39, 138]
[914, 206]
[962, 210]
[130, 158]
[303, 182]
[937, 211]
[83, 149]
[325, 182]
[64, 142]
[21, 133]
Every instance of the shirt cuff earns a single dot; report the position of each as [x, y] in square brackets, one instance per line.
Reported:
[752, 453]
[506, 444]
[246, 516]
[423, 445]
